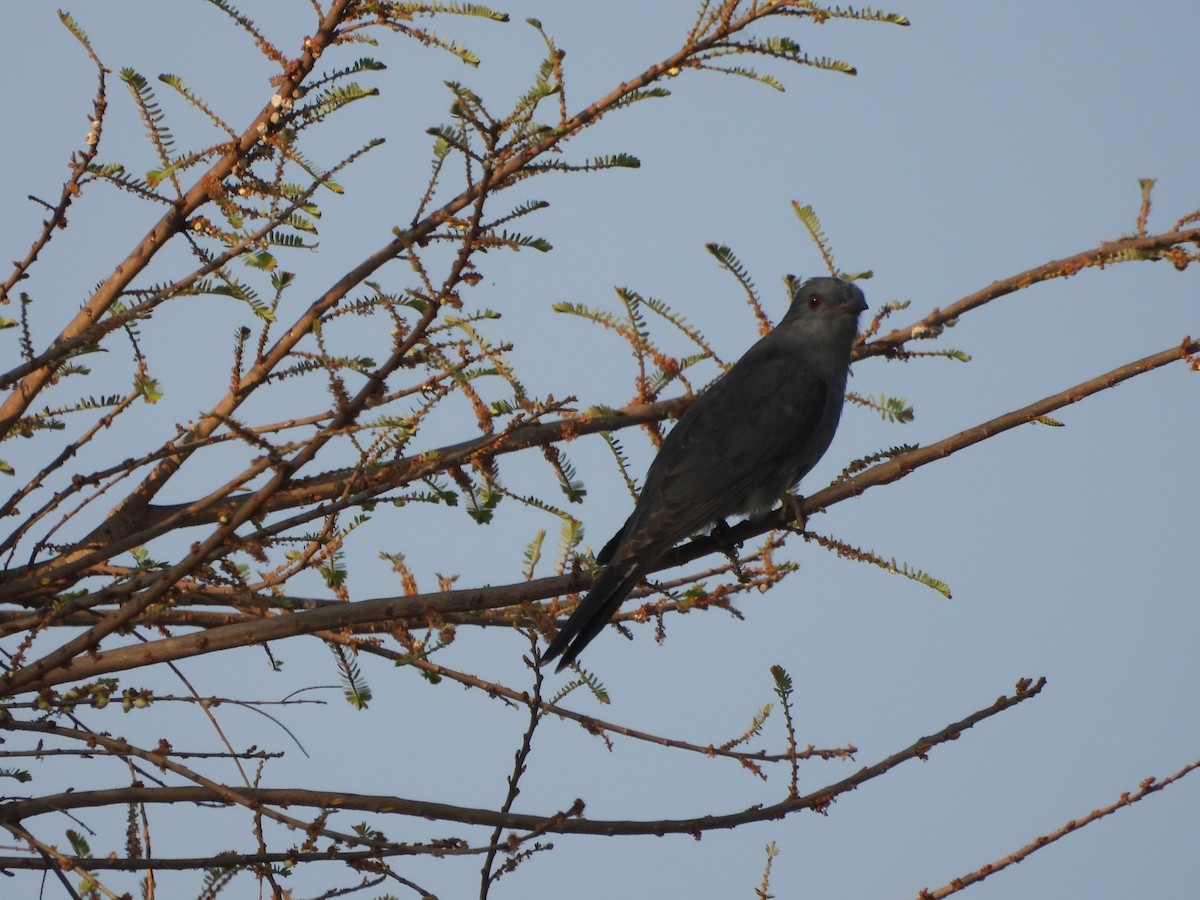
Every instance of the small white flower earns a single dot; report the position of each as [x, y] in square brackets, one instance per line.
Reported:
[926, 331]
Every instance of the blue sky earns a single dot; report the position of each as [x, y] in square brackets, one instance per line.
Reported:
[982, 141]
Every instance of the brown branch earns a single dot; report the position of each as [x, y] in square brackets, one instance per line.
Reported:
[329, 487]
[1109, 252]
[134, 312]
[255, 798]
[590, 723]
[487, 876]
[229, 860]
[215, 791]
[51, 859]
[1147, 787]
[39, 480]
[70, 189]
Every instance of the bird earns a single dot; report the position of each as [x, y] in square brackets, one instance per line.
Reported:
[751, 436]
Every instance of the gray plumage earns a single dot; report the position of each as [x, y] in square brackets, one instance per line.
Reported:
[750, 437]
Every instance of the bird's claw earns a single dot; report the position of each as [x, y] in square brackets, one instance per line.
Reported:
[793, 512]
[723, 535]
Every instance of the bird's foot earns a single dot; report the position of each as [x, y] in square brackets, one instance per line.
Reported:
[723, 535]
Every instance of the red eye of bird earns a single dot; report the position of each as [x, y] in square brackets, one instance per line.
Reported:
[814, 300]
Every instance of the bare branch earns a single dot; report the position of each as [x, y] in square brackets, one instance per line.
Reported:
[1147, 787]
[571, 823]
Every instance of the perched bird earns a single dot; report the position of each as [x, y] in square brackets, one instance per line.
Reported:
[750, 437]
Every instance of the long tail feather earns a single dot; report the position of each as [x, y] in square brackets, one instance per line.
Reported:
[608, 592]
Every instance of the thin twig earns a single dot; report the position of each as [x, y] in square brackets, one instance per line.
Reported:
[1147, 787]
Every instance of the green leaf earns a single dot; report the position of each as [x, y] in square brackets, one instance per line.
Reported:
[596, 164]
[517, 241]
[73, 27]
[481, 504]
[332, 99]
[888, 565]
[355, 688]
[280, 239]
[867, 14]
[151, 114]
[894, 409]
[533, 553]
[808, 218]
[783, 683]
[333, 571]
[260, 260]
[569, 538]
[725, 256]
[744, 72]
[148, 388]
[230, 287]
[585, 679]
[643, 94]
[78, 843]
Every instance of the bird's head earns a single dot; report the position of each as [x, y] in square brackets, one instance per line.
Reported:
[826, 300]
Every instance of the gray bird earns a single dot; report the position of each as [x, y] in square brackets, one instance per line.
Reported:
[750, 437]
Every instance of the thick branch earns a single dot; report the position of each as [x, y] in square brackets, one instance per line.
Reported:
[330, 487]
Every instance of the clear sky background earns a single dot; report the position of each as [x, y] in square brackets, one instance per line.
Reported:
[985, 139]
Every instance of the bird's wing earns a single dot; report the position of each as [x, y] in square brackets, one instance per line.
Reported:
[750, 430]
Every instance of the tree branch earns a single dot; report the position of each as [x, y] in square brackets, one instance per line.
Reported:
[1148, 247]
[20, 810]
[1147, 787]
